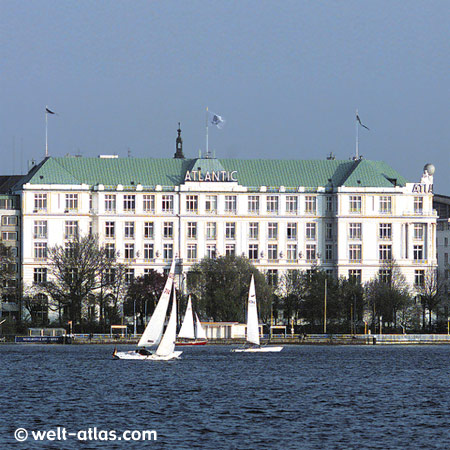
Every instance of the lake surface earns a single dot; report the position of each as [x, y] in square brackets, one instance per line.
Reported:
[306, 397]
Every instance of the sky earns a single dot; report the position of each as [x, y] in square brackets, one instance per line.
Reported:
[286, 75]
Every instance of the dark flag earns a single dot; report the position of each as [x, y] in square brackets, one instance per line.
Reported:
[49, 111]
[359, 121]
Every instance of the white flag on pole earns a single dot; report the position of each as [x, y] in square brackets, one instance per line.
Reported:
[215, 119]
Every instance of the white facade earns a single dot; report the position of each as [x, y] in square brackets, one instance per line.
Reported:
[346, 230]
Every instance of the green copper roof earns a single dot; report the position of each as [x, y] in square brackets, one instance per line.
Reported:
[251, 172]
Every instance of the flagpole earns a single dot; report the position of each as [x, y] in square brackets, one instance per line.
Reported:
[207, 148]
[46, 132]
[357, 135]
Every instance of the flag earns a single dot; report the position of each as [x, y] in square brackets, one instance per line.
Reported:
[48, 111]
[359, 121]
[215, 119]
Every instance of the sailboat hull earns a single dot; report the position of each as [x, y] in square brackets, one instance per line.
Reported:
[258, 350]
[152, 357]
[196, 342]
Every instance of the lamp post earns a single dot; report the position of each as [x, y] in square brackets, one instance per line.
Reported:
[134, 316]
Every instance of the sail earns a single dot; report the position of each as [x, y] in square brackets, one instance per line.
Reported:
[153, 332]
[252, 316]
[200, 332]
[167, 345]
[187, 327]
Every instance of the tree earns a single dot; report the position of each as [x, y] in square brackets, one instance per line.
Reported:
[76, 272]
[350, 304]
[143, 294]
[291, 289]
[221, 286]
[431, 292]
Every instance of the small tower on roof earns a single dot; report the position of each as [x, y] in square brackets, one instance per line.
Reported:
[179, 145]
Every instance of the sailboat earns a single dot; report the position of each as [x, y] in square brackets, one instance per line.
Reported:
[253, 326]
[191, 333]
[153, 337]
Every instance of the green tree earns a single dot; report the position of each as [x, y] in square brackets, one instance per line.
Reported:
[221, 286]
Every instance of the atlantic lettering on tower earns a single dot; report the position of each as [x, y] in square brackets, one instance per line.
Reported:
[215, 175]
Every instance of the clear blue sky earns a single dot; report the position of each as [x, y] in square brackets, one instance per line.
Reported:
[287, 76]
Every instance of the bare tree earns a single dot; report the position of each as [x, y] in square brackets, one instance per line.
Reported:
[76, 272]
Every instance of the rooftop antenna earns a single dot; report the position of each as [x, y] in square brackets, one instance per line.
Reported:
[47, 112]
[207, 148]
[129, 152]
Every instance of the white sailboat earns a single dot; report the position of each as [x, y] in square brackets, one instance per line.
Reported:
[191, 333]
[253, 326]
[153, 337]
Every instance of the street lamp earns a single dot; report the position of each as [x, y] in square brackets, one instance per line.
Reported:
[134, 316]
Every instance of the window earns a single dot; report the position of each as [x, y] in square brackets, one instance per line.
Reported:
[192, 252]
[192, 203]
[419, 278]
[354, 230]
[418, 252]
[253, 252]
[385, 252]
[272, 252]
[192, 230]
[148, 251]
[272, 230]
[110, 203]
[110, 276]
[310, 204]
[211, 203]
[230, 230]
[311, 252]
[329, 203]
[253, 204]
[129, 276]
[385, 275]
[211, 230]
[291, 231]
[129, 230]
[311, 231]
[230, 250]
[71, 229]
[9, 236]
[8, 203]
[354, 252]
[272, 204]
[230, 203]
[328, 252]
[129, 203]
[40, 250]
[355, 275]
[149, 230]
[419, 231]
[168, 251]
[355, 203]
[211, 251]
[40, 202]
[40, 275]
[69, 249]
[385, 205]
[292, 252]
[291, 204]
[40, 229]
[167, 203]
[129, 251]
[418, 205]
[91, 203]
[110, 250]
[149, 203]
[445, 242]
[329, 231]
[9, 220]
[168, 230]
[385, 231]
[110, 231]
[253, 230]
[272, 277]
[71, 202]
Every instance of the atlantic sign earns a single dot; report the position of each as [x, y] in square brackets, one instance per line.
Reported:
[215, 175]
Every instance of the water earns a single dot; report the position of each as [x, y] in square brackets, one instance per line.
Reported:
[306, 397]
